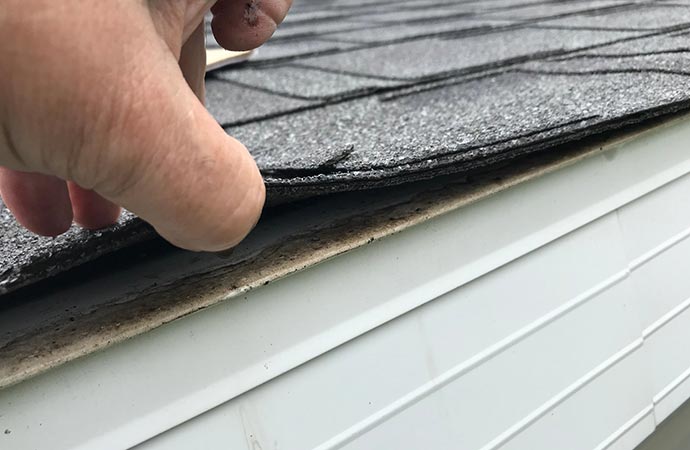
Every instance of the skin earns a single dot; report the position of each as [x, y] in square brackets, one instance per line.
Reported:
[101, 106]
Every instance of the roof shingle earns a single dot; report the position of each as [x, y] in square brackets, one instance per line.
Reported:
[356, 94]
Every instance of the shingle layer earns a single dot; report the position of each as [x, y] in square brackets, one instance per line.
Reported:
[355, 94]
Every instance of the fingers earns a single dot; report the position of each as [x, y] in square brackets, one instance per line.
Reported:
[138, 136]
[245, 25]
[173, 165]
[176, 21]
[90, 209]
[193, 61]
[46, 205]
[39, 202]
[196, 10]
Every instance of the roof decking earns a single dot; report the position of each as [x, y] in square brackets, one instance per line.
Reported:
[357, 94]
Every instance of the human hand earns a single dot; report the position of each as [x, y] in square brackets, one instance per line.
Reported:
[101, 106]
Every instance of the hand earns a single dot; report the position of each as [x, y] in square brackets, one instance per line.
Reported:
[101, 106]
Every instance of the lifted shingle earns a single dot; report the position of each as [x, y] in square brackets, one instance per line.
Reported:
[356, 94]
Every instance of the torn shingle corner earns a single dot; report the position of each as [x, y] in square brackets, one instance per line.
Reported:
[355, 94]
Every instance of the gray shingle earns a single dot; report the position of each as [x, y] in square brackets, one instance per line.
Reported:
[287, 50]
[596, 65]
[325, 110]
[651, 17]
[230, 103]
[299, 17]
[454, 128]
[306, 83]
[429, 57]
[25, 258]
[555, 9]
[411, 16]
[672, 45]
[322, 29]
[406, 31]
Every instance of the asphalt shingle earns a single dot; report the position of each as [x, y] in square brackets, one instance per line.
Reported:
[651, 17]
[301, 82]
[231, 103]
[25, 257]
[452, 128]
[432, 57]
[356, 94]
[545, 10]
[291, 50]
[408, 31]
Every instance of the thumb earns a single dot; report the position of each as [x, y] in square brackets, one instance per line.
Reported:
[165, 158]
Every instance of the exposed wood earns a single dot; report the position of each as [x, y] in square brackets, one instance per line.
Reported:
[217, 58]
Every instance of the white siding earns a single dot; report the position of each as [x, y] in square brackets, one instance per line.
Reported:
[552, 315]
[499, 361]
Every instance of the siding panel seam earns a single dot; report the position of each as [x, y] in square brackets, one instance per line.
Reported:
[437, 383]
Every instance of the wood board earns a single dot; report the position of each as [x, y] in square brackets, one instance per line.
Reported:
[217, 58]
